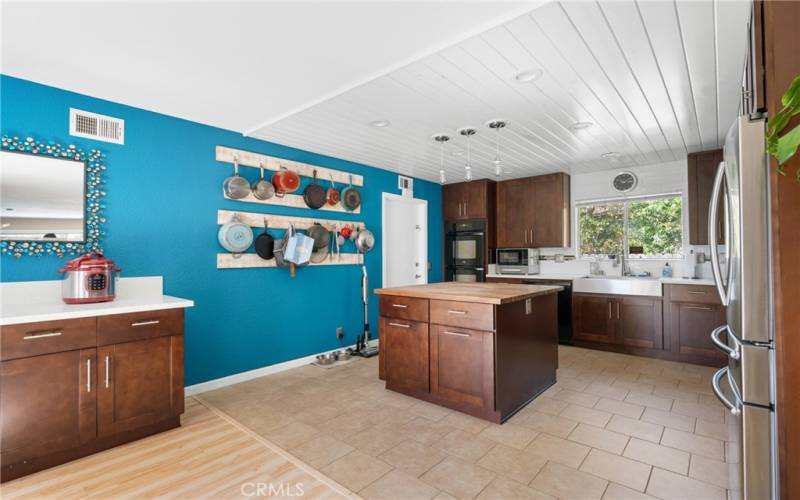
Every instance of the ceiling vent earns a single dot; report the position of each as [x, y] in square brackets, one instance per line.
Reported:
[94, 126]
[405, 185]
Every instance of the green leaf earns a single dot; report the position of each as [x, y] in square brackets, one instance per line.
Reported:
[772, 145]
[778, 122]
[787, 145]
[792, 96]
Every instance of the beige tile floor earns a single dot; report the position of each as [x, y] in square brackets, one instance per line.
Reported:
[614, 426]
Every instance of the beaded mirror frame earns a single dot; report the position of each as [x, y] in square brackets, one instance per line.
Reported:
[94, 160]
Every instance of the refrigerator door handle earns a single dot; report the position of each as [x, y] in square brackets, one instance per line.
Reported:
[712, 233]
[734, 409]
[722, 346]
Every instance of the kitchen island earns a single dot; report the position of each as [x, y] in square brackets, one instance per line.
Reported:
[485, 349]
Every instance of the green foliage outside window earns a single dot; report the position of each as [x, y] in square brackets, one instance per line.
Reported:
[654, 227]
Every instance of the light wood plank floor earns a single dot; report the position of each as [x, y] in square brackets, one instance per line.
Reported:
[209, 456]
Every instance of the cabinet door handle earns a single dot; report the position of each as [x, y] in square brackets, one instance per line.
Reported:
[89, 375]
[401, 325]
[531, 235]
[698, 307]
[145, 323]
[106, 379]
[41, 335]
[456, 311]
[617, 310]
[457, 334]
[465, 209]
[609, 310]
[696, 292]
[525, 234]
[400, 306]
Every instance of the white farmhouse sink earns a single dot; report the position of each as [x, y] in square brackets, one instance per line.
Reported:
[618, 285]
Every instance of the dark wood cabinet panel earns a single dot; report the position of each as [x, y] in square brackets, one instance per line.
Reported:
[551, 199]
[32, 339]
[138, 383]
[463, 314]
[514, 213]
[593, 318]
[702, 168]
[118, 328]
[406, 360]
[462, 367]
[47, 404]
[691, 326]
[468, 200]
[639, 322]
[404, 307]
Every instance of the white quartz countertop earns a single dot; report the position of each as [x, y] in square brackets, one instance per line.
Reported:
[666, 281]
[31, 302]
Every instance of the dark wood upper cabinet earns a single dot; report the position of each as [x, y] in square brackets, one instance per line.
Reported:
[468, 200]
[139, 383]
[47, 404]
[534, 212]
[702, 168]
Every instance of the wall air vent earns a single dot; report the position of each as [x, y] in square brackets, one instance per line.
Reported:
[405, 185]
[94, 126]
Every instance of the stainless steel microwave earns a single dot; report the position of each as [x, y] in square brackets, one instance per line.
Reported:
[517, 261]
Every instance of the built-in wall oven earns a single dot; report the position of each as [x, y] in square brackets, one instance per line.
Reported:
[465, 259]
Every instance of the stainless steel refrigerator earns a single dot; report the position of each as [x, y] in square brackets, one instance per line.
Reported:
[746, 386]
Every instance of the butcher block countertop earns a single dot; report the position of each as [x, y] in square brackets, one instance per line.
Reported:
[484, 293]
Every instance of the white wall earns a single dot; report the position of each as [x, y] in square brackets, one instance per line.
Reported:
[660, 178]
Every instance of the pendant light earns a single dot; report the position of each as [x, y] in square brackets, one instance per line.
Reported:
[498, 163]
[468, 132]
[441, 139]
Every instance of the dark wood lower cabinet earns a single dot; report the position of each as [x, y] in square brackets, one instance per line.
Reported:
[677, 326]
[462, 367]
[59, 406]
[406, 361]
[136, 382]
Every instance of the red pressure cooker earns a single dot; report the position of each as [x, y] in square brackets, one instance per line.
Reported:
[89, 278]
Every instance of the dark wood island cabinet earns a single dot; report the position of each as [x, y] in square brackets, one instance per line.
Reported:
[480, 348]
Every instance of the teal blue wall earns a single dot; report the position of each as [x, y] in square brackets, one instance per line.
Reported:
[164, 190]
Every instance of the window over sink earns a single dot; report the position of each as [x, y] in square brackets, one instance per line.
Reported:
[644, 228]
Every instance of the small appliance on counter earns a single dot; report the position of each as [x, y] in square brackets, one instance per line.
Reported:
[89, 278]
[517, 261]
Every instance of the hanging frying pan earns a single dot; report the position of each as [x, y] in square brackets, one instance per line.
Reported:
[262, 188]
[320, 234]
[285, 181]
[332, 194]
[265, 243]
[235, 236]
[314, 194]
[351, 197]
[236, 186]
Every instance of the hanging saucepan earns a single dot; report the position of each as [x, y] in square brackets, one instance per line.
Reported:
[236, 186]
[265, 243]
[332, 194]
[365, 240]
[351, 198]
[320, 234]
[314, 194]
[262, 188]
[285, 181]
[235, 236]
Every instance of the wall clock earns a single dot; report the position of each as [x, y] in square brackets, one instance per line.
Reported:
[625, 182]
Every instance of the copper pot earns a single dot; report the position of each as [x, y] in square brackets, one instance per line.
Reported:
[285, 181]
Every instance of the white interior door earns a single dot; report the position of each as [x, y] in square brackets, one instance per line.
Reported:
[405, 241]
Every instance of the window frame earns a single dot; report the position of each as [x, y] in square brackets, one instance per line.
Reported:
[625, 200]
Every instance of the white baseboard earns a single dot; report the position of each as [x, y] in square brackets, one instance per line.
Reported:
[236, 378]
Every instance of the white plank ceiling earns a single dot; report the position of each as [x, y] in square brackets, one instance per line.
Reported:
[657, 80]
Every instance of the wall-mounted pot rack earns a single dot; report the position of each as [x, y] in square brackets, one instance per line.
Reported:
[324, 175]
[256, 221]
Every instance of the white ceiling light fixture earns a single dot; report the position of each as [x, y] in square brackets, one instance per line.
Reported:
[528, 76]
[610, 155]
[441, 139]
[580, 126]
[380, 123]
[468, 132]
[496, 125]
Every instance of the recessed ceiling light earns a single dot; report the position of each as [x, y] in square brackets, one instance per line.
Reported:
[580, 125]
[610, 154]
[380, 123]
[457, 153]
[528, 76]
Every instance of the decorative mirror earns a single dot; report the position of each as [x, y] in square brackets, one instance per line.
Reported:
[49, 198]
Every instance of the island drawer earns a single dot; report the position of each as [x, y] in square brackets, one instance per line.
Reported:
[701, 294]
[33, 339]
[463, 314]
[118, 328]
[393, 306]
